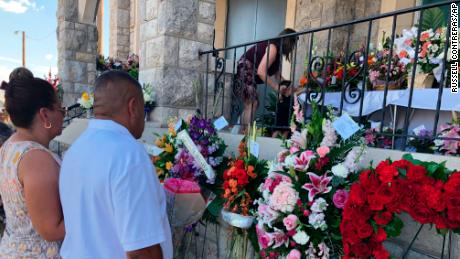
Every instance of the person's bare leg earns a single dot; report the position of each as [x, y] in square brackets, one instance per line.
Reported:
[248, 115]
[275, 134]
[285, 134]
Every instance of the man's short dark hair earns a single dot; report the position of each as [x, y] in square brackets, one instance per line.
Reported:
[115, 76]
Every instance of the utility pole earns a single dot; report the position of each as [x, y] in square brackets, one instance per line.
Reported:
[23, 46]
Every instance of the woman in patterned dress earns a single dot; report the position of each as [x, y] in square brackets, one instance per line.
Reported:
[261, 64]
[29, 171]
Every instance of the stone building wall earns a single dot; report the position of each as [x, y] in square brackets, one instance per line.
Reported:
[77, 50]
[134, 26]
[172, 32]
[312, 14]
[120, 28]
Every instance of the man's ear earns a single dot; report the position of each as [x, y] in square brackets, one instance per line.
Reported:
[132, 106]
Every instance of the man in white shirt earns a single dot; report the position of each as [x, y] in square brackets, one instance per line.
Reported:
[113, 204]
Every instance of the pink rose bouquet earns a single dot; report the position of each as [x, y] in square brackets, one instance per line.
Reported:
[299, 210]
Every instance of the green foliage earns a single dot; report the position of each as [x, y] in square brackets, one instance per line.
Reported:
[315, 127]
[393, 229]
[436, 170]
[433, 18]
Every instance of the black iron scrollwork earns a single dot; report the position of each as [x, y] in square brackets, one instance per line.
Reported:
[219, 82]
[321, 75]
[316, 92]
[353, 88]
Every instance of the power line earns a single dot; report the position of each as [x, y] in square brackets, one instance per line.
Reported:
[42, 38]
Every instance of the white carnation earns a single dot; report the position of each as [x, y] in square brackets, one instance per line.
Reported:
[319, 205]
[316, 220]
[290, 161]
[340, 170]
[301, 238]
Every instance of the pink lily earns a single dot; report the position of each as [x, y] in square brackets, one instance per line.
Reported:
[265, 239]
[299, 139]
[298, 112]
[451, 145]
[279, 238]
[318, 185]
[302, 162]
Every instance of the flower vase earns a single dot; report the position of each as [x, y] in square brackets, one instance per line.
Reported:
[237, 220]
[147, 112]
[88, 113]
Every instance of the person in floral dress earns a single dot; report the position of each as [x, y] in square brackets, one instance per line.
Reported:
[29, 171]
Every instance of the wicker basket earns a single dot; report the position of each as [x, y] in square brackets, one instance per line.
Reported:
[380, 85]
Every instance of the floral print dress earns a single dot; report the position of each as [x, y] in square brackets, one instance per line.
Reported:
[20, 240]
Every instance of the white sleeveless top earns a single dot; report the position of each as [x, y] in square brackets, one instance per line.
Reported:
[20, 240]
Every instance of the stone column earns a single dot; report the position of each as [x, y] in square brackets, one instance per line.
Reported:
[100, 28]
[172, 33]
[134, 27]
[77, 50]
[119, 29]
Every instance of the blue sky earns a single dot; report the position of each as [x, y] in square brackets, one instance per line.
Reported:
[38, 19]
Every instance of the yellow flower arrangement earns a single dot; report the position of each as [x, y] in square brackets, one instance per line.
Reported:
[168, 148]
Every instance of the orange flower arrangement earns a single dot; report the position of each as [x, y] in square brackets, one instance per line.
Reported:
[241, 181]
[235, 180]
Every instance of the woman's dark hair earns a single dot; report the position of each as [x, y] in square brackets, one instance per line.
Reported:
[24, 97]
[20, 73]
[288, 43]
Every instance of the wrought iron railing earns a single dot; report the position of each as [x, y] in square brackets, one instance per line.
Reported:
[72, 112]
[353, 88]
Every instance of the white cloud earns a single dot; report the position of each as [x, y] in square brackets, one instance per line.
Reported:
[48, 56]
[10, 60]
[4, 73]
[18, 6]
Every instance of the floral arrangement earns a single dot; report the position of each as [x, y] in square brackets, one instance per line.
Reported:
[299, 211]
[427, 191]
[149, 96]
[329, 72]
[378, 69]
[448, 146]
[241, 181]
[422, 142]
[166, 159]
[431, 49]
[86, 100]
[373, 137]
[176, 161]
[55, 81]
[131, 65]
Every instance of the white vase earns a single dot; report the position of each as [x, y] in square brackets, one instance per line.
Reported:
[88, 113]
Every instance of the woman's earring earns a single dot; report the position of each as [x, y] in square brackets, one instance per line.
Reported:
[48, 125]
